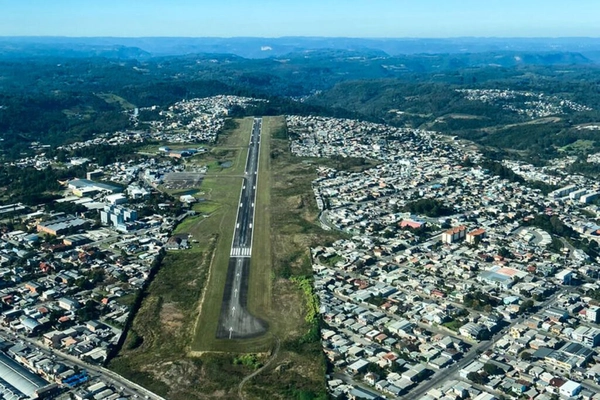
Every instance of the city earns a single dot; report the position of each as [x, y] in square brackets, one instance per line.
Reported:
[452, 282]
[470, 302]
[317, 200]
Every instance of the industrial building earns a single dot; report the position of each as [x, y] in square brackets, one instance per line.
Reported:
[16, 382]
[86, 187]
[62, 225]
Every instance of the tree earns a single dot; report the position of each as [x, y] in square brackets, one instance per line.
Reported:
[375, 368]
[504, 252]
[429, 207]
[526, 306]
[88, 312]
[526, 356]
[476, 378]
[492, 369]
[395, 367]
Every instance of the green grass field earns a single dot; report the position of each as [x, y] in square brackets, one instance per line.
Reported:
[578, 146]
[112, 98]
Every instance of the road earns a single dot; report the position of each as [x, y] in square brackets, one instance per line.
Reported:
[474, 353]
[235, 322]
[120, 383]
[258, 371]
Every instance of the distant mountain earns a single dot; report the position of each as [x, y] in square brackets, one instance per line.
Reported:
[24, 49]
[253, 47]
[433, 62]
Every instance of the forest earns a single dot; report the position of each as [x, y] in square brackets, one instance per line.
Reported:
[57, 99]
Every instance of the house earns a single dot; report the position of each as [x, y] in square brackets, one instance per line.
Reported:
[177, 242]
[358, 393]
[371, 378]
[472, 331]
[556, 314]
[485, 396]
[358, 366]
[53, 338]
[570, 389]
[475, 366]
[68, 303]
[31, 325]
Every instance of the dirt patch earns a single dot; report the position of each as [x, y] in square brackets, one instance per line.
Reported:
[171, 318]
[179, 373]
[294, 202]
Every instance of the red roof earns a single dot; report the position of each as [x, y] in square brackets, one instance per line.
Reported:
[457, 229]
[411, 224]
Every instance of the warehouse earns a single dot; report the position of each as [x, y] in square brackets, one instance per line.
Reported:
[62, 225]
[16, 381]
[81, 187]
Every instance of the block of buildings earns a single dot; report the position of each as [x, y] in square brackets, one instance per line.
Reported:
[118, 216]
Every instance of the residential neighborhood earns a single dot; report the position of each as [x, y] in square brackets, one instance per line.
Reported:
[71, 272]
[454, 282]
[530, 104]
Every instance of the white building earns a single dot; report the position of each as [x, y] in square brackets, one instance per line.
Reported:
[593, 314]
[570, 389]
[588, 198]
[187, 198]
[565, 276]
[115, 199]
[117, 216]
[454, 234]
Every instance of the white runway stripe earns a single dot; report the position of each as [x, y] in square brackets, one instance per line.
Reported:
[240, 252]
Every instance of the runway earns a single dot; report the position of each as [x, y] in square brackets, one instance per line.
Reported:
[235, 322]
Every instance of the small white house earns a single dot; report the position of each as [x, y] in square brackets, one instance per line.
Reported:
[570, 389]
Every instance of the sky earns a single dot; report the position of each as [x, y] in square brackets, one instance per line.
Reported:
[276, 18]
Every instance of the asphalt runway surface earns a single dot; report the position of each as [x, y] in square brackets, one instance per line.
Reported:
[235, 322]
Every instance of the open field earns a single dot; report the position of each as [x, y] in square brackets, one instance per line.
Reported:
[578, 146]
[111, 98]
[174, 352]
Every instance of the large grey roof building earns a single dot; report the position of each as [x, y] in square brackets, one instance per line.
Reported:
[16, 382]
